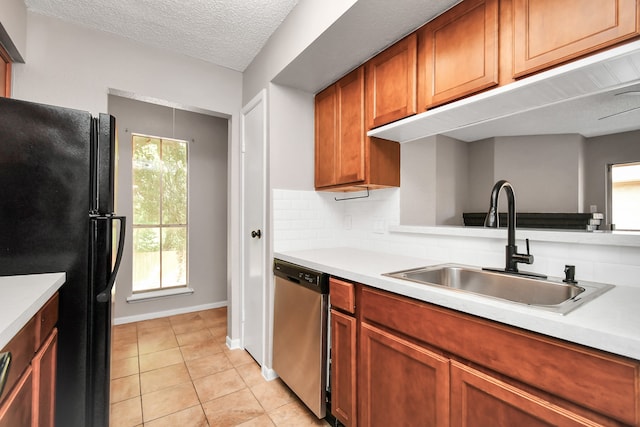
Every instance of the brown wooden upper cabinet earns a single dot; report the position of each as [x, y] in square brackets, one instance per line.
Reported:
[339, 129]
[458, 53]
[549, 32]
[391, 83]
[345, 158]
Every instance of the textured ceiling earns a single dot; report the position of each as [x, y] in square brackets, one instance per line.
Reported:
[229, 33]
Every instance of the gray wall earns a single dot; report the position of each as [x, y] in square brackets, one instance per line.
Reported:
[417, 182]
[442, 177]
[208, 141]
[452, 177]
[433, 181]
[544, 170]
[481, 167]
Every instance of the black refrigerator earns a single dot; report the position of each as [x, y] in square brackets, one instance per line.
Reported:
[57, 215]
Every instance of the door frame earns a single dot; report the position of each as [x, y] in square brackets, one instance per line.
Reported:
[260, 98]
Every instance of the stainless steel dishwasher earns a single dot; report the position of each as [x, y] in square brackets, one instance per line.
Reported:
[300, 332]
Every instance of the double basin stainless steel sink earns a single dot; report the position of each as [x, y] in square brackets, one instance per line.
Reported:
[545, 294]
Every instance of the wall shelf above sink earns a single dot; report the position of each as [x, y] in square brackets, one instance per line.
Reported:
[579, 97]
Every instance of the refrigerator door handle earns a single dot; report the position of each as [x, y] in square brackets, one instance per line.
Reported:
[104, 295]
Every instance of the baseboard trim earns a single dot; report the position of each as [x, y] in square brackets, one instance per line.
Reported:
[233, 344]
[155, 315]
[269, 374]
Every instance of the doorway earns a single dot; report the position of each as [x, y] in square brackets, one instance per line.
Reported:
[207, 143]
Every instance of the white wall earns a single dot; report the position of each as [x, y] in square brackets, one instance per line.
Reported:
[75, 67]
[599, 263]
[292, 138]
[13, 17]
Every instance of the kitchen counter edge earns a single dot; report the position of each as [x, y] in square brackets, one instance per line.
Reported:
[606, 323]
[22, 296]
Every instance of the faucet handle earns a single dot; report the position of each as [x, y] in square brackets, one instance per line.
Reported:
[523, 258]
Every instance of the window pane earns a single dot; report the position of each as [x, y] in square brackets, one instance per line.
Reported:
[174, 195]
[146, 180]
[174, 256]
[146, 258]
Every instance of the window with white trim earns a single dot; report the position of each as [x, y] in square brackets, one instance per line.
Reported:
[160, 226]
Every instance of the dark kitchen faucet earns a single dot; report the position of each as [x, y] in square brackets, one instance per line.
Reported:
[512, 257]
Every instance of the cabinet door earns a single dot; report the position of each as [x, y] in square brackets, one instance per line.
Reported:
[16, 409]
[343, 368]
[548, 32]
[391, 83]
[478, 399]
[401, 384]
[350, 128]
[325, 137]
[44, 380]
[458, 53]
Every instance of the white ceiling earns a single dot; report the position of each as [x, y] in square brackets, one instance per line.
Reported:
[229, 33]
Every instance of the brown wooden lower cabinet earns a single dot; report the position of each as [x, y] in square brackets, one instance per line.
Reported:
[481, 400]
[401, 384]
[29, 396]
[423, 365]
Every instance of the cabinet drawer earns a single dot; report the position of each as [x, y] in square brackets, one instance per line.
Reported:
[342, 295]
[602, 382]
[21, 348]
[46, 319]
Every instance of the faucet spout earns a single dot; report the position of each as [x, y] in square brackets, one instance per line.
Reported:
[512, 257]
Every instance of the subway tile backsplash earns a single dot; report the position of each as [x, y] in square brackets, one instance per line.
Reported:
[311, 220]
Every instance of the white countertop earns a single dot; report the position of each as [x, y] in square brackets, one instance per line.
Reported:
[20, 299]
[610, 322]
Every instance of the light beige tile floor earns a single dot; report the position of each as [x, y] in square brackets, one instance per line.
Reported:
[178, 371]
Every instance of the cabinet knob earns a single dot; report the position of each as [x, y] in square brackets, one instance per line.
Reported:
[256, 233]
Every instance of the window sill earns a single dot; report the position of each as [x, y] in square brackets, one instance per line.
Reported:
[152, 295]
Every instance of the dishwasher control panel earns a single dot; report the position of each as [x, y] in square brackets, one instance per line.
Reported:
[307, 277]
